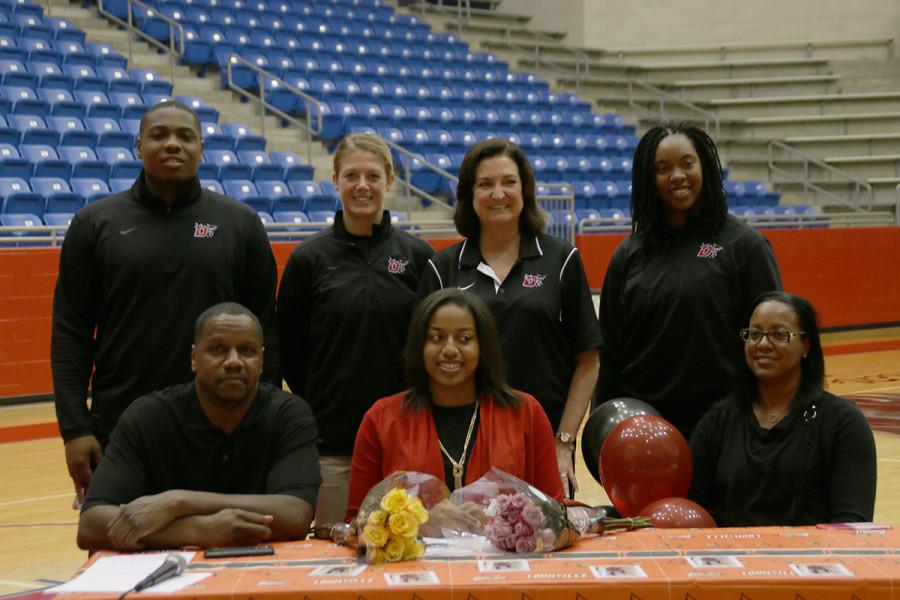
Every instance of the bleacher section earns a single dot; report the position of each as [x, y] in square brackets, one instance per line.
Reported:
[70, 109]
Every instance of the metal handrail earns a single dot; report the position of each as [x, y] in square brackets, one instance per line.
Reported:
[569, 197]
[264, 106]
[859, 184]
[808, 47]
[897, 206]
[129, 25]
[407, 182]
[583, 64]
[797, 221]
[664, 96]
[459, 7]
[55, 234]
[310, 130]
[446, 228]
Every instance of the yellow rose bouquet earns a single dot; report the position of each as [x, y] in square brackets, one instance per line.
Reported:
[388, 526]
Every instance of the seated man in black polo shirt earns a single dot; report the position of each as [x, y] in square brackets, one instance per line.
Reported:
[221, 461]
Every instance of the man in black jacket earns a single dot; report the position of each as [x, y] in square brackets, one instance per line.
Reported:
[136, 269]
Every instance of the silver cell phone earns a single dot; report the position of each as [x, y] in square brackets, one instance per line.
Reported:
[234, 551]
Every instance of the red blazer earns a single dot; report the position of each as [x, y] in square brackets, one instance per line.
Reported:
[395, 438]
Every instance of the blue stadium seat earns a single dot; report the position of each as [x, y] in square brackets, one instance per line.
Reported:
[586, 213]
[40, 50]
[12, 164]
[321, 216]
[735, 192]
[19, 220]
[61, 102]
[90, 189]
[45, 161]
[84, 162]
[19, 198]
[14, 73]
[84, 78]
[109, 134]
[240, 189]
[151, 82]
[293, 167]
[206, 114]
[105, 55]
[114, 155]
[97, 103]
[227, 165]
[72, 131]
[313, 197]
[244, 137]
[63, 30]
[263, 167]
[297, 217]
[56, 188]
[118, 79]
[132, 126]
[273, 189]
[119, 184]
[197, 51]
[62, 220]
[131, 105]
[64, 202]
[212, 185]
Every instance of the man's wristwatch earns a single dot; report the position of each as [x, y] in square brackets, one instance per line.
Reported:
[565, 438]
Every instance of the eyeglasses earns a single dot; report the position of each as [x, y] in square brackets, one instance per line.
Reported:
[776, 336]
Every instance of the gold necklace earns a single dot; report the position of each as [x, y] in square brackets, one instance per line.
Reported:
[459, 465]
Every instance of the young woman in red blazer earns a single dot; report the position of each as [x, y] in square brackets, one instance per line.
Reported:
[459, 417]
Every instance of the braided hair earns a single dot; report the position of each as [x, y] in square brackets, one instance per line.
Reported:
[647, 212]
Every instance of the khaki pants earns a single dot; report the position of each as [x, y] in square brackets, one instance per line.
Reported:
[331, 504]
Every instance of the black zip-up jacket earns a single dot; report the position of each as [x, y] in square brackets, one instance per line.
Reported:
[133, 277]
[344, 306]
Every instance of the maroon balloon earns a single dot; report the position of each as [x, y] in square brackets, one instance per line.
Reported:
[644, 459]
[677, 513]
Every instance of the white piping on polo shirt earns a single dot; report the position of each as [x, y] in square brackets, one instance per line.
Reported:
[436, 273]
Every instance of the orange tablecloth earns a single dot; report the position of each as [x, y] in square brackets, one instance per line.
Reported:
[771, 563]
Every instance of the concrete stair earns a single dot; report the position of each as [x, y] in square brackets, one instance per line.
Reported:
[839, 99]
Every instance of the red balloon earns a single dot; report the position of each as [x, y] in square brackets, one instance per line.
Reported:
[644, 459]
[677, 513]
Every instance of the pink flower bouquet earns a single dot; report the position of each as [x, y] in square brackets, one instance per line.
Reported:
[523, 519]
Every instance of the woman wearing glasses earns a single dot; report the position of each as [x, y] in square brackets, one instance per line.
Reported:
[782, 450]
[676, 289]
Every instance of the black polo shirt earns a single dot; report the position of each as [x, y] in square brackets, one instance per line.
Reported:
[543, 309]
[164, 441]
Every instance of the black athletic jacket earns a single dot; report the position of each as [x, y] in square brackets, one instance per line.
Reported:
[343, 310]
[133, 277]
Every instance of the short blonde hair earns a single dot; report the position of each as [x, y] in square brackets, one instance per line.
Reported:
[364, 142]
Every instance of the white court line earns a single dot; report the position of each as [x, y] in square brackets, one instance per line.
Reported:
[21, 584]
[869, 391]
[896, 460]
[24, 500]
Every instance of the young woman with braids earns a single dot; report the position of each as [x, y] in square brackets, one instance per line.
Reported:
[677, 288]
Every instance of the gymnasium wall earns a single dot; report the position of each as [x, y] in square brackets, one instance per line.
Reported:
[613, 23]
[851, 275]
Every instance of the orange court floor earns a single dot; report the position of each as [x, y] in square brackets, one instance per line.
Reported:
[37, 523]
